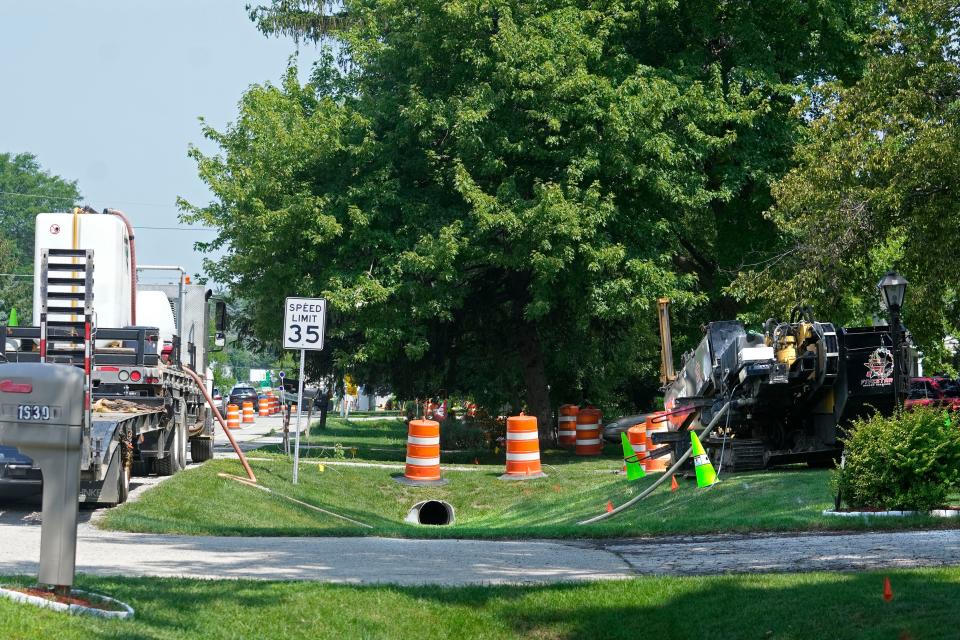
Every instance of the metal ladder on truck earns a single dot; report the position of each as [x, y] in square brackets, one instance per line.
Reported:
[67, 332]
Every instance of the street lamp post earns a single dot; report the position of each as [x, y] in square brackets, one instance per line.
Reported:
[893, 286]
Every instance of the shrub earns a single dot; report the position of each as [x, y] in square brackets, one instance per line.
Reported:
[472, 433]
[462, 435]
[910, 460]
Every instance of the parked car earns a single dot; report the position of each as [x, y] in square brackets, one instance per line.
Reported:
[240, 394]
[933, 392]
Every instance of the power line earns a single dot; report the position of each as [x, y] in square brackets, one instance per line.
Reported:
[73, 200]
[69, 199]
[35, 195]
[30, 275]
[178, 228]
[182, 228]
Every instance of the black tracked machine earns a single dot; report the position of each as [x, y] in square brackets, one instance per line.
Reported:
[792, 389]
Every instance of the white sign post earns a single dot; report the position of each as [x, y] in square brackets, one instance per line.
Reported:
[304, 321]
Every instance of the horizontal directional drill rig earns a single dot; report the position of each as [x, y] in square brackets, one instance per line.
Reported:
[791, 389]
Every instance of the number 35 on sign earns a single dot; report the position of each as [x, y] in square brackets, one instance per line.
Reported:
[303, 323]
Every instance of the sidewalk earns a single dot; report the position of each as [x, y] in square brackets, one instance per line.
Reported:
[463, 562]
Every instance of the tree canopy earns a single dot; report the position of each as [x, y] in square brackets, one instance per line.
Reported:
[26, 189]
[492, 194]
[876, 183]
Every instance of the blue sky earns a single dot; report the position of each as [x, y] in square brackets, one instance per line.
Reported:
[108, 92]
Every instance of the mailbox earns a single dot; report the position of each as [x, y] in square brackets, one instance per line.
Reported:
[41, 414]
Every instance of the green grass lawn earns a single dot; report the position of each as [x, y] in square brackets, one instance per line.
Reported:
[382, 440]
[362, 439]
[485, 507]
[778, 606]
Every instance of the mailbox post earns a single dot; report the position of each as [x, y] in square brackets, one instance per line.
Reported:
[41, 413]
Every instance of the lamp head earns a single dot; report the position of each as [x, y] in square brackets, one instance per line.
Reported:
[893, 286]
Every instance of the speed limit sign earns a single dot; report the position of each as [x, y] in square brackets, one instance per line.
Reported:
[303, 323]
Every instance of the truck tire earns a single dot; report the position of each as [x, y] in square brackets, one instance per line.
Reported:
[173, 461]
[142, 467]
[201, 449]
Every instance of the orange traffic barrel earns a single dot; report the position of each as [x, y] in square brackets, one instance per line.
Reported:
[247, 411]
[567, 425]
[274, 405]
[637, 435]
[233, 416]
[264, 405]
[588, 432]
[657, 422]
[677, 416]
[423, 454]
[523, 449]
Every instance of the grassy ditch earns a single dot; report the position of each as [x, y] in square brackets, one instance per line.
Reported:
[779, 606]
[485, 507]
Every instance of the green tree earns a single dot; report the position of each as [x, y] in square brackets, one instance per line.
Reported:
[876, 186]
[16, 285]
[25, 190]
[492, 194]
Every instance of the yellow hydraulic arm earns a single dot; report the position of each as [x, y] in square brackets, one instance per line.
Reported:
[667, 374]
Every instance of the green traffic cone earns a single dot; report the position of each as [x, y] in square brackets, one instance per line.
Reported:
[12, 320]
[706, 476]
[634, 468]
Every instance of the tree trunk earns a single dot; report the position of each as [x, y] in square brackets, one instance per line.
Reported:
[535, 381]
[323, 409]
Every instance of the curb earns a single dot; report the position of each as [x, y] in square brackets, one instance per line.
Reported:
[73, 609]
[936, 513]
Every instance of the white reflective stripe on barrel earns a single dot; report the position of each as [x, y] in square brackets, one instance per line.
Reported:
[567, 419]
[567, 433]
[522, 435]
[588, 427]
[419, 440]
[423, 462]
[521, 457]
[592, 441]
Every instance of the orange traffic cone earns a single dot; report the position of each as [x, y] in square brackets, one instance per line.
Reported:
[609, 506]
[887, 590]
[673, 483]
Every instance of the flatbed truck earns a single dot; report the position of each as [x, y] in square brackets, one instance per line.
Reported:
[144, 408]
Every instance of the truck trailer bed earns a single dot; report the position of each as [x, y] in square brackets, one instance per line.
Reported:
[20, 478]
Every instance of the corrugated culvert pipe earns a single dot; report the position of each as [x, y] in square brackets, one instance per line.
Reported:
[433, 512]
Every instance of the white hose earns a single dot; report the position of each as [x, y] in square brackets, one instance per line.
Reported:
[669, 472]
